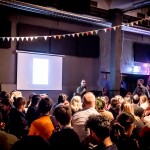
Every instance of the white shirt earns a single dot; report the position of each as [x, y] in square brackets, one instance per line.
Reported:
[79, 119]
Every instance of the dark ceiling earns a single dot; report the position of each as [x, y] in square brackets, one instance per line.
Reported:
[83, 6]
[79, 10]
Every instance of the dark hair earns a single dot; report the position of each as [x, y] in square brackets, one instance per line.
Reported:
[35, 99]
[45, 105]
[123, 122]
[99, 124]
[125, 119]
[6, 101]
[141, 81]
[114, 102]
[28, 142]
[19, 101]
[63, 114]
[61, 98]
[4, 94]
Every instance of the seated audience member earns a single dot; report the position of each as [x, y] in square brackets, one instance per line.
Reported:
[32, 112]
[6, 106]
[30, 142]
[14, 95]
[128, 97]
[62, 98]
[43, 126]
[29, 100]
[120, 98]
[106, 100]
[4, 95]
[127, 107]
[66, 138]
[138, 111]
[76, 104]
[100, 106]
[144, 103]
[100, 131]
[17, 123]
[145, 134]
[114, 107]
[6, 139]
[121, 133]
[80, 117]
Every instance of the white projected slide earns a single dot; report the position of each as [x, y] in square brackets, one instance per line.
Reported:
[39, 72]
[40, 77]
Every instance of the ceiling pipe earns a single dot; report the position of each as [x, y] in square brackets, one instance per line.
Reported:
[138, 6]
[49, 11]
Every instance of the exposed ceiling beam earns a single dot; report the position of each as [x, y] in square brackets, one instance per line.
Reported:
[66, 15]
[138, 5]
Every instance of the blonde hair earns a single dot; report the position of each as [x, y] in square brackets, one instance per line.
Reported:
[143, 99]
[76, 103]
[127, 108]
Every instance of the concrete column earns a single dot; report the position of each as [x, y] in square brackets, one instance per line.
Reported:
[115, 52]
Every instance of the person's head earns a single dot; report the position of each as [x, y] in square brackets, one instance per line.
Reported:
[31, 95]
[83, 83]
[89, 100]
[45, 105]
[143, 99]
[62, 98]
[29, 142]
[124, 125]
[6, 104]
[140, 82]
[35, 99]
[114, 102]
[127, 107]
[126, 120]
[4, 95]
[100, 103]
[14, 95]
[120, 98]
[20, 103]
[99, 127]
[76, 103]
[63, 114]
[135, 99]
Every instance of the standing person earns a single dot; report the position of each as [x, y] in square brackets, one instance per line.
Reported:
[141, 89]
[81, 90]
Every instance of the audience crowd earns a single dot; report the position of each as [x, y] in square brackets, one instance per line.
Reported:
[84, 122]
